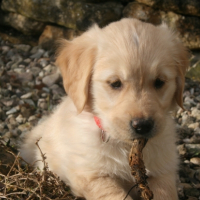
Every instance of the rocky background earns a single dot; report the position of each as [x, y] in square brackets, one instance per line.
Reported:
[50, 19]
[30, 87]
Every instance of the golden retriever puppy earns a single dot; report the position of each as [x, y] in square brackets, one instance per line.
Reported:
[122, 82]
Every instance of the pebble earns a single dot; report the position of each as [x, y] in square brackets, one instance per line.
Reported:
[25, 77]
[56, 96]
[22, 47]
[9, 64]
[197, 98]
[12, 120]
[31, 118]
[44, 95]
[12, 110]
[38, 81]
[197, 135]
[43, 62]
[181, 149]
[10, 53]
[41, 74]
[25, 127]
[46, 54]
[35, 70]
[38, 54]
[27, 95]
[192, 91]
[195, 161]
[190, 101]
[5, 49]
[195, 113]
[198, 106]
[9, 87]
[20, 119]
[57, 90]
[193, 140]
[193, 149]
[7, 102]
[27, 60]
[15, 133]
[42, 104]
[7, 135]
[194, 125]
[30, 102]
[49, 68]
[51, 79]
[34, 50]
[2, 126]
[16, 59]
[19, 70]
[186, 185]
[185, 118]
[45, 89]
[31, 84]
[22, 66]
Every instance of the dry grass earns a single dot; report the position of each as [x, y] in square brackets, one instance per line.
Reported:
[18, 180]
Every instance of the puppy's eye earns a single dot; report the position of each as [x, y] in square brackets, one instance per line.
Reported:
[116, 85]
[158, 83]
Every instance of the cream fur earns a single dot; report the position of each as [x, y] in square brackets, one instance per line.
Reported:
[135, 53]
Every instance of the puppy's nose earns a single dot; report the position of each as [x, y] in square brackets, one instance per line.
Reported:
[142, 126]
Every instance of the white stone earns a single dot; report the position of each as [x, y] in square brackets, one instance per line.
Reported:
[27, 95]
[195, 160]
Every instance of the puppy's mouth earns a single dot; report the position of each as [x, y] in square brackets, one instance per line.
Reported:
[146, 135]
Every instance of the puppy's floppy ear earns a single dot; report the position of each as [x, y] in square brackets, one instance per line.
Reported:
[181, 56]
[75, 60]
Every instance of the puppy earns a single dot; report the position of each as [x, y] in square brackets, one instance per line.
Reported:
[122, 83]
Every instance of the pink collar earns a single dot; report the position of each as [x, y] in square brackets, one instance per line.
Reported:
[103, 133]
[98, 122]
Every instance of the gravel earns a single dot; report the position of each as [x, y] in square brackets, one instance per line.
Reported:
[30, 87]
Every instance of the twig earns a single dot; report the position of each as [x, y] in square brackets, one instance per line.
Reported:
[14, 193]
[29, 183]
[44, 168]
[129, 191]
[16, 157]
[42, 155]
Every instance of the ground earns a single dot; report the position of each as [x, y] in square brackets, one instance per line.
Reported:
[30, 88]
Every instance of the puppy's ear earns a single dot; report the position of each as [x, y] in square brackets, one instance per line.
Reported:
[75, 60]
[181, 56]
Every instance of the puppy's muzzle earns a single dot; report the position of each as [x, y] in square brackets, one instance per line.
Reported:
[142, 126]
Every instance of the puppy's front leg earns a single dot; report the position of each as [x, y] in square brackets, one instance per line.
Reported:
[104, 188]
[164, 187]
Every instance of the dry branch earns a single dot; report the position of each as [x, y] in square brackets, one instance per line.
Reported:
[138, 169]
[18, 180]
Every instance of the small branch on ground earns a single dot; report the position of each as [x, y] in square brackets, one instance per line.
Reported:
[18, 180]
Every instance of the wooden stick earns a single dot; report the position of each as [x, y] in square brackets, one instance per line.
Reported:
[138, 169]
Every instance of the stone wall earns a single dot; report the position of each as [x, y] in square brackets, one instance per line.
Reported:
[50, 19]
